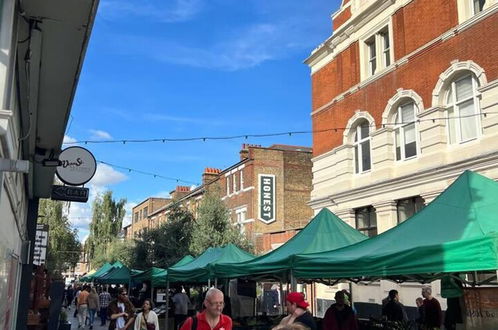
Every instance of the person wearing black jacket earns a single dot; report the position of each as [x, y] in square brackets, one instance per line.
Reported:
[298, 312]
[394, 310]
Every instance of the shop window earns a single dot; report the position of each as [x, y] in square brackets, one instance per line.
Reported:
[366, 220]
[405, 131]
[463, 109]
[362, 147]
[409, 206]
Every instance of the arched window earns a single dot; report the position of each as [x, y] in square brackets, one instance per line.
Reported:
[405, 130]
[463, 109]
[361, 145]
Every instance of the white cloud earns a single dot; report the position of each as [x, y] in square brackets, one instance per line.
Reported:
[106, 175]
[98, 134]
[68, 139]
[170, 11]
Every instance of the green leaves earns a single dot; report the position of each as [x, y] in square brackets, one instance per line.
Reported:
[63, 246]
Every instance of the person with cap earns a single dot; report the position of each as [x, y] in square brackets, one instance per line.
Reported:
[340, 316]
[297, 307]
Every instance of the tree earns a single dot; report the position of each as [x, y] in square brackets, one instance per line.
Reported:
[117, 250]
[107, 219]
[63, 249]
[165, 245]
[214, 227]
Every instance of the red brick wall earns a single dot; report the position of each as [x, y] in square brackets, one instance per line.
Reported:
[340, 74]
[265, 241]
[341, 18]
[421, 21]
[478, 43]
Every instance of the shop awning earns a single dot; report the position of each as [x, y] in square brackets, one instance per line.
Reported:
[457, 232]
[201, 268]
[323, 233]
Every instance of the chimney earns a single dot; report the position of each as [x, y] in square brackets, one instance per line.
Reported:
[179, 192]
[210, 174]
[244, 152]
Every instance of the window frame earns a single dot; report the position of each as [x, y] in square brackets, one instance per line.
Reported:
[455, 105]
[370, 210]
[378, 37]
[473, 7]
[412, 199]
[401, 127]
[358, 147]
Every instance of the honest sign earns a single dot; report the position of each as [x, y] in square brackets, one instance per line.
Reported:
[267, 198]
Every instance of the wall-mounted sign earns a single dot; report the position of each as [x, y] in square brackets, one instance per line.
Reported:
[41, 243]
[70, 194]
[267, 199]
[77, 167]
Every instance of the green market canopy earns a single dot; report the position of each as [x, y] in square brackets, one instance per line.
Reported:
[102, 270]
[157, 276]
[457, 232]
[323, 233]
[121, 275]
[201, 268]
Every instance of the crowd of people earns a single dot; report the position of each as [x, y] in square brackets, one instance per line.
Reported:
[117, 308]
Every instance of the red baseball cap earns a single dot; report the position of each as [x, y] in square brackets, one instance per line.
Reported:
[298, 299]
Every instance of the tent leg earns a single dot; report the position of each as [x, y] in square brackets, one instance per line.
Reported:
[281, 299]
[293, 282]
[151, 292]
[167, 305]
[216, 282]
[209, 282]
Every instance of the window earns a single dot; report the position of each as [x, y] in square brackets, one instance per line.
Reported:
[409, 206]
[478, 6]
[405, 131]
[241, 180]
[463, 109]
[146, 211]
[234, 182]
[378, 51]
[136, 216]
[228, 185]
[241, 219]
[141, 214]
[366, 220]
[362, 147]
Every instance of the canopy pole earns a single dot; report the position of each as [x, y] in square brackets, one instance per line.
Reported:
[281, 298]
[167, 305]
[293, 281]
[215, 282]
[151, 292]
[209, 282]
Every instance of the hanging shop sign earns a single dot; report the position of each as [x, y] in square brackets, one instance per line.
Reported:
[41, 243]
[70, 194]
[77, 166]
[267, 198]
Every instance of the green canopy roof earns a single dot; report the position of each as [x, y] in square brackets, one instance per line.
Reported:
[102, 270]
[324, 232]
[201, 268]
[121, 275]
[457, 232]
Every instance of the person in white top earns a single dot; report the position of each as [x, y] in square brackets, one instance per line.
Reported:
[181, 301]
[147, 319]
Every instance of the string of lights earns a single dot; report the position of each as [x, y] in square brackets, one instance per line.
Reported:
[130, 170]
[247, 136]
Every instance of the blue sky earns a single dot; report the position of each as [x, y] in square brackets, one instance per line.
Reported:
[184, 68]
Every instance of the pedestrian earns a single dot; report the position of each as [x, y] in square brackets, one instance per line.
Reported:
[121, 311]
[76, 295]
[432, 308]
[297, 308]
[104, 300]
[421, 312]
[181, 302]
[211, 318]
[83, 306]
[69, 296]
[147, 319]
[93, 305]
[394, 311]
[340, 316]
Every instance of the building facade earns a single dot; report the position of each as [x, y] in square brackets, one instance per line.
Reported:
[38, 80]
[404, 99]
[266, 192]
[140, 215]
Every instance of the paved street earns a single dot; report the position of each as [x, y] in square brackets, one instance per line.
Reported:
[74, 322]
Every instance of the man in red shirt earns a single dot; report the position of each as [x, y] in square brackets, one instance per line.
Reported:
[212, 317]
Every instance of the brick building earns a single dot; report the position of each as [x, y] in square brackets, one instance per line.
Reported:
[404, 99]
[140, 215]
[266, 192]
